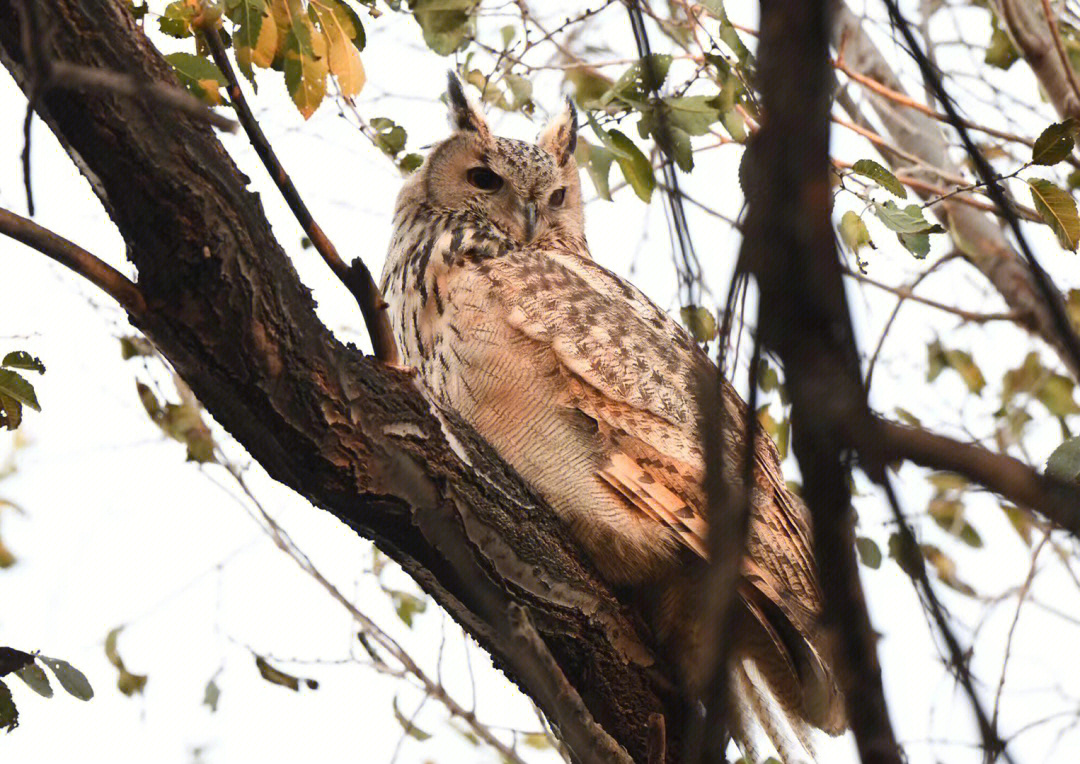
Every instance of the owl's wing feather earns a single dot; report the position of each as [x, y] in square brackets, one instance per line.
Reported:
[653, 498]
[633, 369]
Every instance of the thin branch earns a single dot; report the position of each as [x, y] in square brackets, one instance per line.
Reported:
[905, 100]
[356, 277]
[71, 255]
[908, 293]
[992, 744]
[1068, 339]
[1055, 33]
[1002, 474]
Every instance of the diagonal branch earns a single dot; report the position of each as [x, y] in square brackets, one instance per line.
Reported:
[98, 272]
[1063, 333]
[1002, 474]
[345, 431]
[976, 235]
[356, 277]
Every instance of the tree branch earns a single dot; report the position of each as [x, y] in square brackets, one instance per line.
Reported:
[790, 250]
[352, 435]
[1034, 37]
[976, 235]
[1057, 501]
[356, 277]
[99, 273]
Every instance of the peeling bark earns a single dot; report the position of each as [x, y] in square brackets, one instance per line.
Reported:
[227, 309]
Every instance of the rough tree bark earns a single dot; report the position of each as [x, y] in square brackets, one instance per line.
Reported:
[227, 309]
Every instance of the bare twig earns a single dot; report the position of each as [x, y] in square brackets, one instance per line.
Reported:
[1066, 337]
[992, 744]
[99, 273]
[356, 277]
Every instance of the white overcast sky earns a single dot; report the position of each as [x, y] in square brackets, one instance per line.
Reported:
[120, 530]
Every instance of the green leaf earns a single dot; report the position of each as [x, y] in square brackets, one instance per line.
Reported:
[1056, 393]
[1057, 208]
[536, 740]
[389, 136]
[410, 729]
[631, 88]
[908, 220]
[20, 359]
[176, 19]
[13, 660]
[70, 678]
[305, 66]
[854, 233]
[211, 695]
[727, 31]
[200, 76]
[126, 682]
[407, 605]
[9, 714]
[869, 552]
[410, 163]
[917, 244]
[277, 676]
[36, 678]
[1020, 520]
[1064, 462]
[597, 161]
[1055, 143]
[939, 358]
[10, 413]
[635, 166]
[999, 50]
[15, 386]
[700, 322]
[906, 553]
[694, 115]
[133, 346]
[945, 569]
[446, 24]
[255, 39]
[949, 515]
[868, 168]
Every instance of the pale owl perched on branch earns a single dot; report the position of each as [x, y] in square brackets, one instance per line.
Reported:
[590, 391]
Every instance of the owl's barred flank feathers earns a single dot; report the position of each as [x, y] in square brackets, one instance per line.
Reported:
[588, 390]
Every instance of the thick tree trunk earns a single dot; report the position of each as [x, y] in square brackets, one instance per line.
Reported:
[227, 309]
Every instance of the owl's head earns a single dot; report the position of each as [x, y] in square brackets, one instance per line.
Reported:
[525, 190]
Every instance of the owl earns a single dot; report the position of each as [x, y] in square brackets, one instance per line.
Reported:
[591, 392]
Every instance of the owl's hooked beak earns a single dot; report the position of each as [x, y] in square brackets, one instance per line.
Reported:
[529, 209]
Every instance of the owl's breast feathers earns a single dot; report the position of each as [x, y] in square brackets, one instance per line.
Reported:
[590, 392]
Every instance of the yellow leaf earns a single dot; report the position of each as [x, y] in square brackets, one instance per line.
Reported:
[344, 59]
[305, 64]
[211, 93]
[265, 48]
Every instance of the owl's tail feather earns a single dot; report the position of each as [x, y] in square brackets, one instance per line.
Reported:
[791, 665]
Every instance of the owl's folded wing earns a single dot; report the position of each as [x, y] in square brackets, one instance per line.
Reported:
[635, 371]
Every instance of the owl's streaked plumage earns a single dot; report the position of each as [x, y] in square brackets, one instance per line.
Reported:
[589, 391]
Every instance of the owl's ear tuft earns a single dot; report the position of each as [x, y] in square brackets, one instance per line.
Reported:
[559, 137]
[464, 113]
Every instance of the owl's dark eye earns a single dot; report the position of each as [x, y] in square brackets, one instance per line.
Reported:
[484, 179]
[557, 198]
